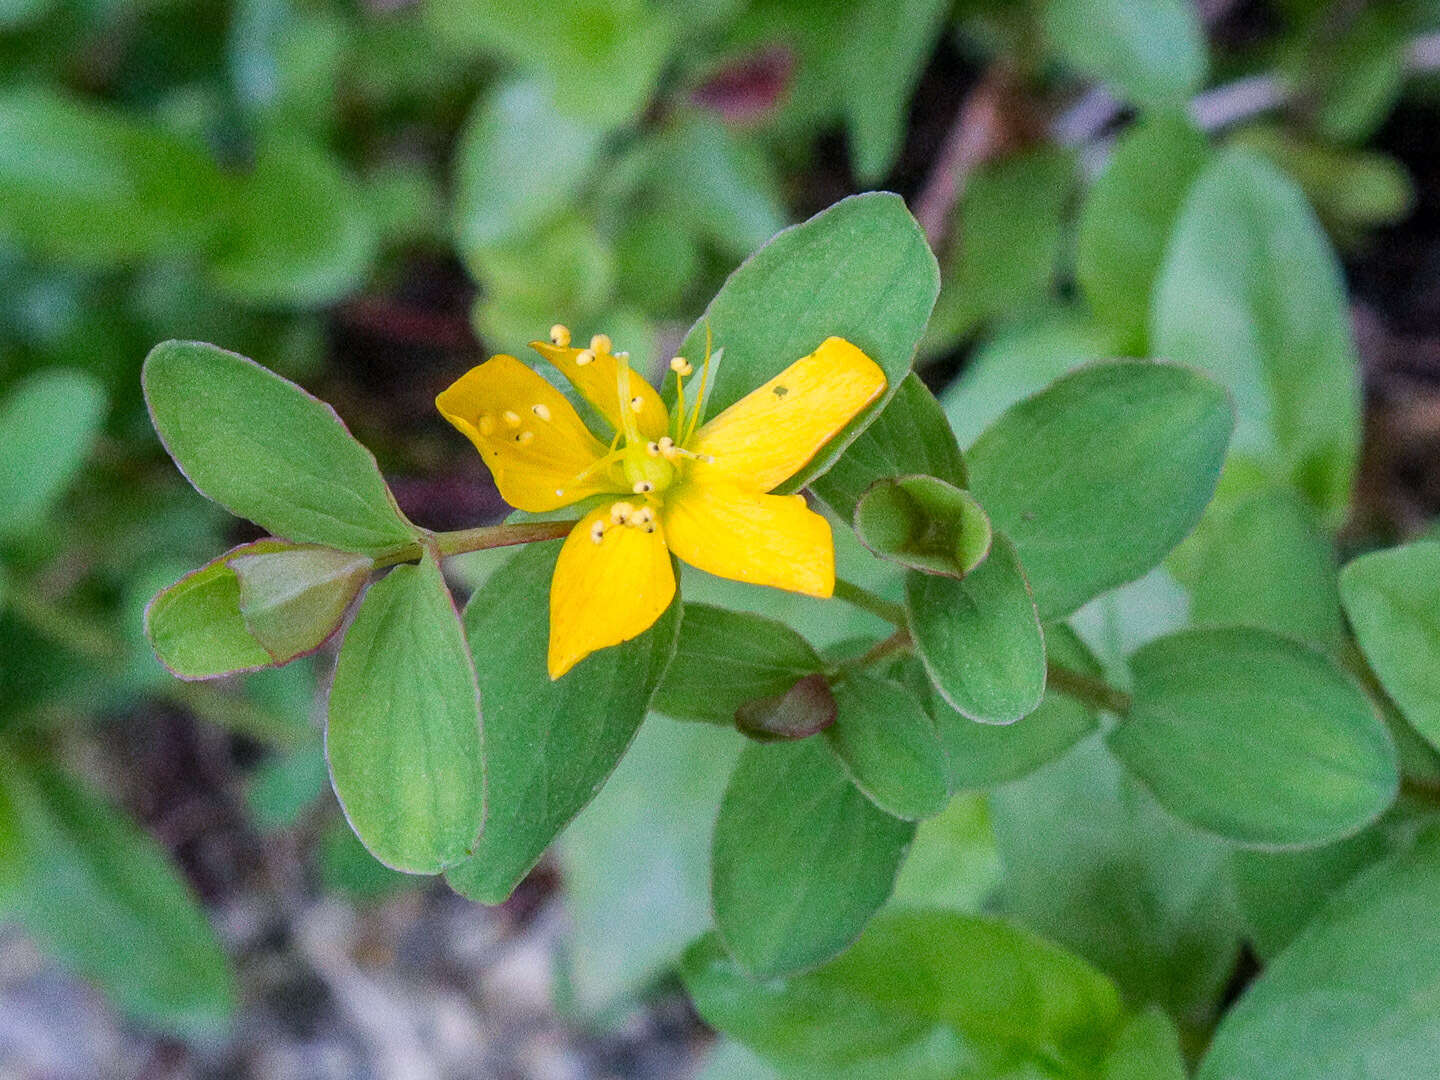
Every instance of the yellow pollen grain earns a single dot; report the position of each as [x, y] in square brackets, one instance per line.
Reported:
[583, 357]
[644, 516]
[642, 487]
[620, 512]
[600, 343]
[597, 531]
[637, 403]
[681, 366]
[541, 410]
[560, 335]
[512, 419]
[653, 449]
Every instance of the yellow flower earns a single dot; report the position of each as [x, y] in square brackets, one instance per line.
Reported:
[668, 484]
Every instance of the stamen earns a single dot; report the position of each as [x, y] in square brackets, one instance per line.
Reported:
[637, 403]
[597, 531]
[643, 487]
[653, 449]
[487, 425]
[560, 335]
[525, 437]
[623, 355]
[512, 419]
[643, 516]
[620, 512]
[681, 366]
[600, 343]
[583, 357]
[541, 410]
[704, 387]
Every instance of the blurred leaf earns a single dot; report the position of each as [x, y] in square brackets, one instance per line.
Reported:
[1393, 601]
[888, 745]
[888, 46]
[1127, 219]
[1252, 293]
[984, 755]
[1091, 862]
[1353, 995]
[922, 994]
[1147, 1048]
[92, 185]
[103, 896]
[196, 627]
[656, 261]
[299, 234]
[726, 658]
[980, 638]
[923, 523]
[403, 735]
[16, 13]
[723, 186]
[518, 161]
[860, 270]
[637, 859]
[48, 423]
[1096, 478]
[952, 862]
[602, 57]
[292, 600]
[1353, 78]
[801, 859]
[266, 450]
[1150, 52]
[910, 435]
[1264, 562]
[549, 746]
[1010, 221]
[347, 867]
[287, 785]
[1256, 738]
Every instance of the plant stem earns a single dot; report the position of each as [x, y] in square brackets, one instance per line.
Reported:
[868, 601]
[1087, 689]
[477, 539]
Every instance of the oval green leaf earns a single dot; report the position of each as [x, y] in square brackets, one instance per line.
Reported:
[925, 524]
[980, 638]
[293, 600]
[266, 450]
[1096, 478]
[860, 270]
[1151, 52]
[889, 746]
[48, 423]
[1255, 737]
[403, 734]
[549, 745]
[801, 859]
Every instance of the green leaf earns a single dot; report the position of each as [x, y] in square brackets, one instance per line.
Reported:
[637, 860]
[1353, 995]
[1096, 478]
[403, 734]
[925, 524]
[1092, 863]
[1128, 216]
[285, 786]
[979, 638]
[911, 435]
[1147, 1048]
[102, 896]
[1255, 737]
[1151, 52]
[1393, 601]
[92, 185]
[299, 232]
[888, 745]
[196, 627]
[860, 270]
[928, 995]
[1251, 292]
[984, 755]
[952, 861]
[726, 658]
[1006, 259]
[48, 423]
[1265, 562]
[266, 450]
[549, 746]
[518, 161]
[801, 859]
[888, 44]
[292, 600]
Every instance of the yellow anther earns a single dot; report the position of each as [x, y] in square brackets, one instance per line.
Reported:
[583, 357]
[600, 343]
[560, 335]
[541, 410]
[643, 516]
[653, 449]
[525, 437]
[487, 425]
[681, 366]
[620, 512]
[637, 404]
[597, 531]
[512, 419]
[642, 487]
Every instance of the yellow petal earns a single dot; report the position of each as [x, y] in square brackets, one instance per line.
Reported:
[531, 437]
[768, 435]
[774, 540]
[599, 383]
[607, 592]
